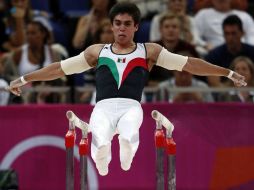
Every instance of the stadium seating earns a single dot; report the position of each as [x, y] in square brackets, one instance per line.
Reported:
[75, 8]
[40, 5]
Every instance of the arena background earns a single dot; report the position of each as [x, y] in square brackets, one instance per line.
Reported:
[215, 147]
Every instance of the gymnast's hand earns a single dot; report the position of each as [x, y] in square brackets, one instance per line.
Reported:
[238, 79]
[15, 86]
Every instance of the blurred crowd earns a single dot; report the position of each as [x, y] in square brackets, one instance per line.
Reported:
[36, 33]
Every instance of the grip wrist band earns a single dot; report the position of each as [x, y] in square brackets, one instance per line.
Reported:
[23, 80]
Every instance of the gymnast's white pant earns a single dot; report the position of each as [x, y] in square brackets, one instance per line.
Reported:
[111, 116]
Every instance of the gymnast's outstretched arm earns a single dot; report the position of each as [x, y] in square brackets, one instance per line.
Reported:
[77, 64]
[161, 57]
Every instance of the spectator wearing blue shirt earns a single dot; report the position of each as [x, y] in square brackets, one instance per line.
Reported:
[233, 47]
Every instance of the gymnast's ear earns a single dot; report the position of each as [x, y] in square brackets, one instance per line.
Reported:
[137, 26]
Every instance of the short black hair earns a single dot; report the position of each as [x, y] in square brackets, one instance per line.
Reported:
[233, 20]
[125, 7]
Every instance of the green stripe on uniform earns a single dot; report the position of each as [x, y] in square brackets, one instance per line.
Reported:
[111, 65]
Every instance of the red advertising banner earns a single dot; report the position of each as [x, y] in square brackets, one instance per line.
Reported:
[215, 147]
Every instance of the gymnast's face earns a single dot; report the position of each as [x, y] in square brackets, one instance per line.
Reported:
[124, 28]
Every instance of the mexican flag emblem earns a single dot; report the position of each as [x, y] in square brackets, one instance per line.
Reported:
[121, 60]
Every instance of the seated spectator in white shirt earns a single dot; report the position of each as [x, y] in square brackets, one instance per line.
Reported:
[188, 30]
[209, 21]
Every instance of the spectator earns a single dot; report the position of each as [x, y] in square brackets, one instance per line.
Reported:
[4, 96]
[245, 67]
[3, 36]
[34, 54]
[2, 7]
[232, 48]
[149, 8]
[188, 30]
[236, 4]
[104, 34]
[45, 96]
[170, 31]
[209, 21]
[14, 25]
[88, 24]
[184, 79]
[19, 14]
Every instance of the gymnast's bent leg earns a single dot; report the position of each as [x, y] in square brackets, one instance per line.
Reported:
[128, 129]
[102, 134]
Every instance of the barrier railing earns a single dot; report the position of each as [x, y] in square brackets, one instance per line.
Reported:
[65, 91]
